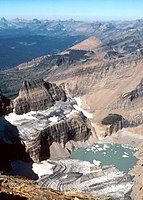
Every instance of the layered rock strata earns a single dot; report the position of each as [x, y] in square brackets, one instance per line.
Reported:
[53, 119]
[76, 128]
[37, 95]
[132, 99]
[59, 124]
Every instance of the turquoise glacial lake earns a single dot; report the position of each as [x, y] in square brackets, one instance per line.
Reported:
[121, 156]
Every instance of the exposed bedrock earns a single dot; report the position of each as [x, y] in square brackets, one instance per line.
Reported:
[12, 152]
[14, 188]
[113, 123]
[77, 128]
[131, 103]
[11, 146]
[5, 105]
[131, 100]
[37, 95]
[45, 115]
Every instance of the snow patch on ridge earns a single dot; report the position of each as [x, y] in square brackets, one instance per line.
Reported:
[12, 117]
[78, 107]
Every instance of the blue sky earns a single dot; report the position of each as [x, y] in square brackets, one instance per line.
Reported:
[76, 9]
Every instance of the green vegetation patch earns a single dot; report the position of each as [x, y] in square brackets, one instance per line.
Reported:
[112, 119]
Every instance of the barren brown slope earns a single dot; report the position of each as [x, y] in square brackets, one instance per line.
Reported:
[102, 85]
[89, 44]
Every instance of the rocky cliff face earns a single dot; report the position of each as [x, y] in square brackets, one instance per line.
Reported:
[11, 146]
[77, 128]
[12, 152]
[37, 95]
[131, 103]
[133, 97]
[5, 105]
[60, 124]
[118, 80]
[113, 123]
[49, 117]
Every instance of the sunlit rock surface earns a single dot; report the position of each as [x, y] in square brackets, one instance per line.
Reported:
[60, 123]
[14, 188]
[37, 95]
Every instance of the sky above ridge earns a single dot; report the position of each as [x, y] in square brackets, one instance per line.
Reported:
[76, 9]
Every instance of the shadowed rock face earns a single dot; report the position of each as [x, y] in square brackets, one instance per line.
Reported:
[135, 94]
[5, 105]
[11, 146]
[4, 195]
[37, 95]
[11, 152]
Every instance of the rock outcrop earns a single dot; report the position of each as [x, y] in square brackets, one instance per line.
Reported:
[37, 95]
[11, 147]
[14, 188]
[113, 123]
[131, 103]
[58, 124]
[49, 117]
[5, 105]
[132, 98]
[12, 152]
[77, 128]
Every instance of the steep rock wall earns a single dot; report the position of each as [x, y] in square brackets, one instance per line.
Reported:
[11, 146]
[5, 105]
[37, 95]
[53, 120]
[76, 128]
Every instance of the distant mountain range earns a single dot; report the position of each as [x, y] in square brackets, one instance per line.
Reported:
[22, 40]
[65, 27]
[70, 54]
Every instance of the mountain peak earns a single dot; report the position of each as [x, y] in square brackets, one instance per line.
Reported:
[3, 19]
[38, 95]
[36, 21]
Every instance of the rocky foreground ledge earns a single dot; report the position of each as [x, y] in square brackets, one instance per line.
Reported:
[72, 175]
[14, 188]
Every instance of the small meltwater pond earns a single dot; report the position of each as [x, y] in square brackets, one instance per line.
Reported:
[121, 156]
